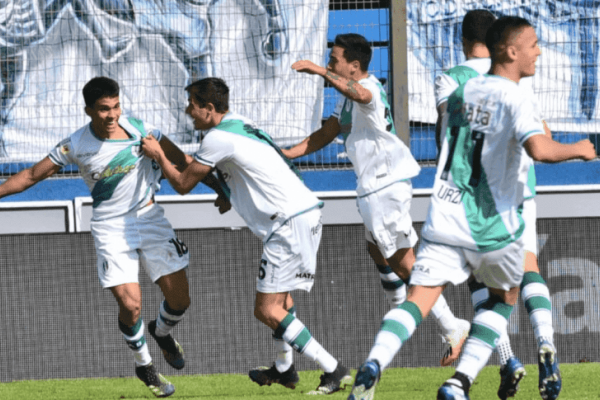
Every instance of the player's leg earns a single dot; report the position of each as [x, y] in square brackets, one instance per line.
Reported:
[501, 271]
[511, 368]
[175, 288]
[283, 370]
[118, 266]
[435, 266]
[289, 263]
[386, 214]
[165, 258]
[536, 298]
[393, 286]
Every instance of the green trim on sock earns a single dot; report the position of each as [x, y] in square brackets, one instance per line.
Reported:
[299, 344]
[484, 334]
[414, 310]
[532, 277]
[289, 318]
[536, 303]
[396, 328]
[131, 330]
[495, 304]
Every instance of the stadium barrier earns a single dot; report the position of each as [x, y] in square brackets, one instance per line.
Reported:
[59, 323]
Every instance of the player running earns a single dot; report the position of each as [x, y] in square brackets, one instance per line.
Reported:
[534, 291]
[383, 166]
[263, 187]
[474, 224]
[128, 227]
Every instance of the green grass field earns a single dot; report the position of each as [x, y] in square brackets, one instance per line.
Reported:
[580, 382]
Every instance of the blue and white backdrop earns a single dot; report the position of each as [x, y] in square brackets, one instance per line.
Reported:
[50, 48]
[566, 80]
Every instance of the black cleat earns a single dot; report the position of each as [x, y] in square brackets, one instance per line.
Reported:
[334, 381]
[158, 384]
[171, 349]
[267, 376]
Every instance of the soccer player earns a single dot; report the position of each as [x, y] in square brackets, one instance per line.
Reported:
[128, 227]
[267, 193]
[383, 166]
[535, 293]
[474, 224]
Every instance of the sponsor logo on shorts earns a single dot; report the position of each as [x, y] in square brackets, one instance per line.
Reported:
[105, 265]
[381, 176]
[421, 268]
[305, 275]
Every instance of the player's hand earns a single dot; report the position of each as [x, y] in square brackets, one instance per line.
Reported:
[587, 150]
[308, 67]
[151, 147]
[223, 204]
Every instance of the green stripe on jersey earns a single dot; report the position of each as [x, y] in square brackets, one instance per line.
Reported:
[114, 173]
[461, 73]
[485, 223]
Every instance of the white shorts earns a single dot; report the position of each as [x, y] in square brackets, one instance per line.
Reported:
[289, 259]
[530, 233]
[386, 215]
[439, 264]
[140, 237]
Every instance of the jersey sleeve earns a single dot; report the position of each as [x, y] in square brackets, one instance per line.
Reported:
[444, 86]
[214, 148]
[62, 153]
[339, 105]
[527, 116]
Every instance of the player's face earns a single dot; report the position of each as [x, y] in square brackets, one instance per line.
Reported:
[338, 63]
[527, 51]
[105, 116]
[202, 116]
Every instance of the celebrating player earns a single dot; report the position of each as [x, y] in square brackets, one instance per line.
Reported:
[383, 166]
[129, 229]
[489, 120]
[264, 189]
[535, 293]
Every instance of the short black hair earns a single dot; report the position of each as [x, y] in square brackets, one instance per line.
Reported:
[356, 48]
[476, 24]
[210, 90]
[500, 32]
[98, 88]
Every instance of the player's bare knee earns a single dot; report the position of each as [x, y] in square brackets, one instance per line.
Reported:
[531, 263]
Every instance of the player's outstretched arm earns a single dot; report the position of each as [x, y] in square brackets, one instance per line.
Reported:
[28, 177]
[183, 182]
[542, 148]
[174, 153]
[347, 87]
[316, 141]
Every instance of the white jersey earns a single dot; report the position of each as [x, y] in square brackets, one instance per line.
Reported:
[479, 186]
[120, 178]
[450, 80]
[447, 82]
[264, 189]
[379, 157]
